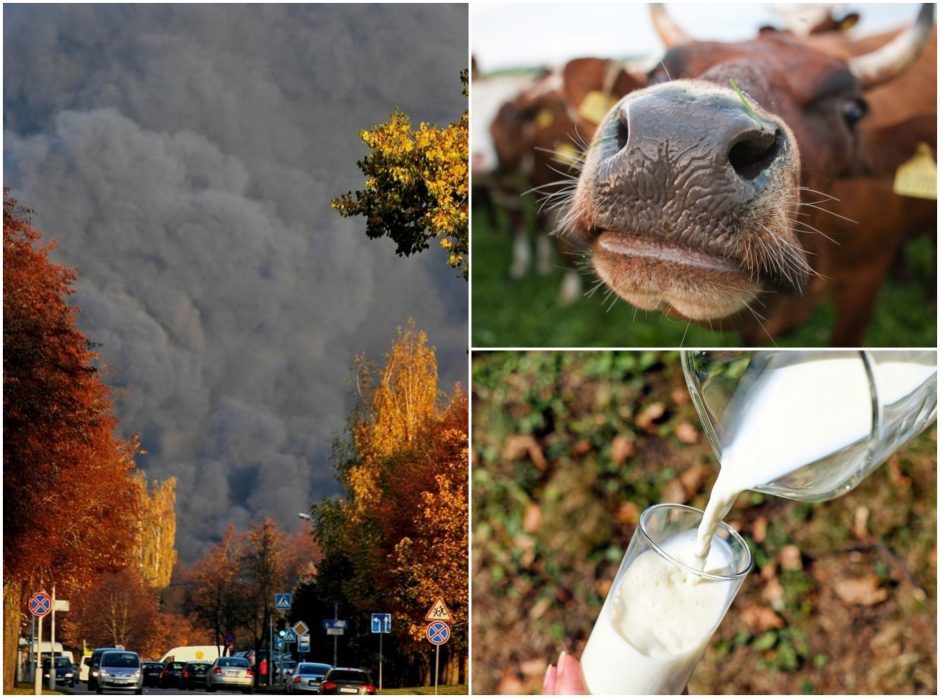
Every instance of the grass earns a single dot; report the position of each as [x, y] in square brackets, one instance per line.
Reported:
[526, 313]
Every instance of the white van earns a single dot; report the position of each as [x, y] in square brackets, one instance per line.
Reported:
[191, 653]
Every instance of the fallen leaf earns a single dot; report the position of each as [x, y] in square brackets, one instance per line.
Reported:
[790, 558]
[686, 433]
[674, 493]
[621, 448]
[534, 667]
[760, 618]
[693, 479]
[524, 444]
[773, 594]
[860, 527]
[628, 513]
[759, 529]
[533, 515]
[861, 591]
[581, 448]
[650, 413]
[680, 396]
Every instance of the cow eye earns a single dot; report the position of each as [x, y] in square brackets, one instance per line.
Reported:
[853, 110]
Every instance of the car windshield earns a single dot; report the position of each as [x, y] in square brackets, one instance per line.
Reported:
[174, 666]
[120, 659]
[318, 669]
[233, 661]
[349, 675]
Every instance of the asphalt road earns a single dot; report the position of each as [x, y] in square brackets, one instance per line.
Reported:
[81, 689]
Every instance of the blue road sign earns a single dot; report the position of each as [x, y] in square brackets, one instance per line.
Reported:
[381, 622]
[438, 632]
[40, 604]
[303, 643]
[288, 635]
[282, 602]
[334, 625]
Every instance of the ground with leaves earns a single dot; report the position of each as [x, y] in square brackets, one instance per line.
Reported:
[569, 448]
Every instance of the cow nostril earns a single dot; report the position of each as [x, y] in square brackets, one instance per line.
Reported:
[622, 132]
[755, 153]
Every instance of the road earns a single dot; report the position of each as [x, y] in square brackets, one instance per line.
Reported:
[80, 689]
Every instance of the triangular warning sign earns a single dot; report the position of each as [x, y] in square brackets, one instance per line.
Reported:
[439, 611]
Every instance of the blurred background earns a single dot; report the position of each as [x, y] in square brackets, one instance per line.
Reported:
[570, 447]
[530, 291]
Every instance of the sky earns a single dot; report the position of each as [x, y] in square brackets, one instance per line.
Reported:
[522, 35]
[183, 157]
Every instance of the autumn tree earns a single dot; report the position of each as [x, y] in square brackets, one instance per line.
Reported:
[404, 457]
[218, 594]
[155, 533]
[416, 186]
[263, 569]
[69, 504]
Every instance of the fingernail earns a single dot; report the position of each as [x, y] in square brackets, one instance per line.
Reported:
[549, 671]
[561, 663]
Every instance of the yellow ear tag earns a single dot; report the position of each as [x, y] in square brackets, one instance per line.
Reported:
[595, 106]
[566, 153]
[544, 118]
[918, 176]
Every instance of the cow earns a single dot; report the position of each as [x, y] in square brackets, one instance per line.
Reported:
[540, 133]
[709, 193]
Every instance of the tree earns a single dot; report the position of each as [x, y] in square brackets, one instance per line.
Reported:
[401, 465]
[217, 596]
[416, 185]
[69, 501]
[263, 572]
[156, 530]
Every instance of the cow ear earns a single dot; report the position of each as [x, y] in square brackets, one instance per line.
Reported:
[627, 82]
[767, 29]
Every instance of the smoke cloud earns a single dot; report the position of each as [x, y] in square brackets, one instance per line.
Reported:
[183, 157]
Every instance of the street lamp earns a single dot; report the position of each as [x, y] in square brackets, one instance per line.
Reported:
[302, 515]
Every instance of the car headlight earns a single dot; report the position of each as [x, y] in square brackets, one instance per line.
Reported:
[136, 674]
[102, 672]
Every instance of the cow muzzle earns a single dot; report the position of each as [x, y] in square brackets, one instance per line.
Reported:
[687, 200]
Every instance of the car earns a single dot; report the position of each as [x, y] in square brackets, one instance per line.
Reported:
[344, 680]
[230, 672]
[307, 677]
[284, 669]
[64, 671]
[194, 674]
[152, 672]
[120, 670]
[93, 662]
[172, 675]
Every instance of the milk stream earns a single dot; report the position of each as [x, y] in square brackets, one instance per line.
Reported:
[656, 623]
[794, 415]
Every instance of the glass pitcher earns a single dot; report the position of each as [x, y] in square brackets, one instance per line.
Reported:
[811, 424]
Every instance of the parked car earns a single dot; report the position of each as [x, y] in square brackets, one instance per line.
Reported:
[120, 670]
[307, 677]
[172, 675]
[194, 674]
[152, 671]
[93, 662]
[344, 680]
[230, 672]
[64, 671]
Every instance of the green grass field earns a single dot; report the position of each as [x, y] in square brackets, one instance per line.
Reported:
[527, 313]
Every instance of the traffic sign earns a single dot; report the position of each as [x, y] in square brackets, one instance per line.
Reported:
[303, 643]
[438, 632]
[439, 611]
[381, 622]
[334, 627]
[282, 601]
[301, 628]
[288, 635]
[40, 604]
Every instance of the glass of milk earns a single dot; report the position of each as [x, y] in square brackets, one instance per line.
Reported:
[809, 425]
[663, 607]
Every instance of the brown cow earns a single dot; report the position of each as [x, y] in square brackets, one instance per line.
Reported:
[701, 193]
[538, 137]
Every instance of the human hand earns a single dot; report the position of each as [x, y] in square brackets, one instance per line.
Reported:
[565, 679]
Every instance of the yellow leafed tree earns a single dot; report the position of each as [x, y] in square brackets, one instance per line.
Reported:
[417, 185]
[156, 530]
